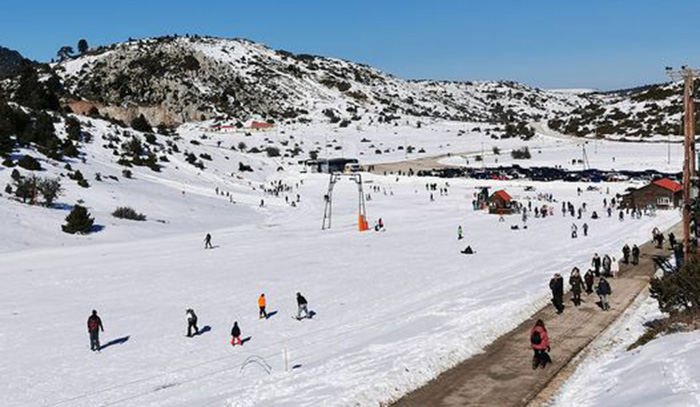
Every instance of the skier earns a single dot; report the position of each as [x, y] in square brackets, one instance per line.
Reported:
[576, 284]
[303, 306]
[236, 335]
[603, 292]
[606, 265]
[540, 345]
[94, 325]
[585, 229]
[589, 279]
[595, 262]
[625, 254]
[556, 284]
[622, 216]
[207, 242]
[191, 322]
[635, 255]
[460, 236]
[574, 231]
[262, 304]
[609, 211]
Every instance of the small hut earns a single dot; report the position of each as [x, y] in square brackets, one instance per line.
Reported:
[501, 203]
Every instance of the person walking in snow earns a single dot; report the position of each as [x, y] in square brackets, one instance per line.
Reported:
[595, 262]
[589, 279]
[303, 306]
[539, 340]
[460, 236]
[262, 303]
[626, 254]
[94, 325]
[604, 291]
[207, 242]
[574, 231]
[607, 263]
[660, 240]
[585, 229]
[236, 335]
[635, 255]
[191, 322]
[556, 284]
[576, 284]
[614, 268]
[672, 240]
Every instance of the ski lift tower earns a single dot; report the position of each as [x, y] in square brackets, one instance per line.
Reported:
[328, 198]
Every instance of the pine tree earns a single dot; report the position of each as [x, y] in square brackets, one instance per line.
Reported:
[82, 46]
[78, 221]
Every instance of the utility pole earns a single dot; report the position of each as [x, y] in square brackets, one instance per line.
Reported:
[689, 175]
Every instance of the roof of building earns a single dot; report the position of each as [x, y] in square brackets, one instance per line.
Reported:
[672, 186]
[258, 125]
[503, 194]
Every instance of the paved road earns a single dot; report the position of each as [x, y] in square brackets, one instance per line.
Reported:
[502, 375]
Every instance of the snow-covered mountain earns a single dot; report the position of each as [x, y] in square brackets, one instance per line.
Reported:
[172, 80]
[644, 113]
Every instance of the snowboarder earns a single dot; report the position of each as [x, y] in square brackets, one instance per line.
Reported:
[635, 255]
[589, 279]
[303, 306]
[236, 335]
[191, 322]
[585, 229]
[460, 236]
[626, 254]
[606, 265]
[576, 284]
[94, 325]
[540, 345]
[595, 262]
[603, 292]
[207, 242]
[556, 284]
[262, 303]
[467, 250]
[574, 231]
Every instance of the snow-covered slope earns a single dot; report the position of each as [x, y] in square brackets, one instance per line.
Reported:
[172, 80]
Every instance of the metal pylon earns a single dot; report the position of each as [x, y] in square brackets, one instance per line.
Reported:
[328, 207]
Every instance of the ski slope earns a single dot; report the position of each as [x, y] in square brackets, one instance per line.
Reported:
[394, 309]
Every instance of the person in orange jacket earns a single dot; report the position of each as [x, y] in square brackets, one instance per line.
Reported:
[262, 303]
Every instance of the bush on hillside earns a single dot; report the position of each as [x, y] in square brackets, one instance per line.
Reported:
[29, 163]
[78, 221]
[521, 154]
[125, 212]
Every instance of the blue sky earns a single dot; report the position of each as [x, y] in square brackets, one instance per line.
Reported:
[604, 44]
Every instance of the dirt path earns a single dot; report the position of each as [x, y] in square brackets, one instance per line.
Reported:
[502, 375]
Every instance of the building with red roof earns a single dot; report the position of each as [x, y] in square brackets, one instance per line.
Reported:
[501, 202]
[662, 194]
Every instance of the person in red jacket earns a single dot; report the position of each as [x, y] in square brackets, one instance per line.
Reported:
[94, 325]
[540, 344]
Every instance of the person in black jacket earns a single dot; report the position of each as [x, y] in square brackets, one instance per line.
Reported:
[626, 254]
[595, 262]
[303, 306]
[191, 322]
[207, 241]
[556, 284]
[94, 325]
[604, 292]
[635, 255]
[236, 335]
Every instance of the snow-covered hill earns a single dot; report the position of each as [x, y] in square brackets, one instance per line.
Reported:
[172, 80]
